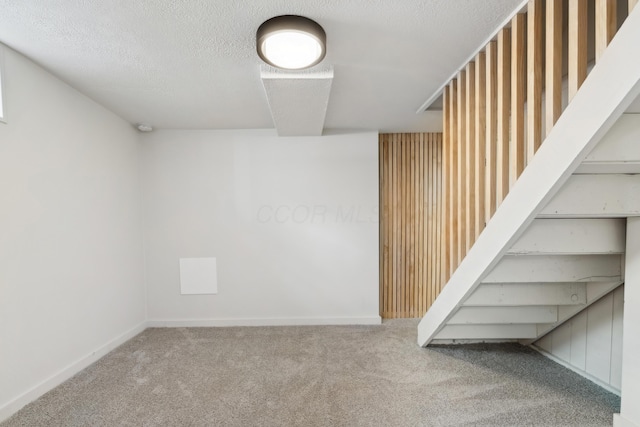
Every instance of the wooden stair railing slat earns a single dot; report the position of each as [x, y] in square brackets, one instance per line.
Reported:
[504, 114]
[470, 157]
[553, 61]
[535, 43]
[578, 24]
[518, 93]
[453, 188]
[480, 142]
[492, 128]
[606, 24]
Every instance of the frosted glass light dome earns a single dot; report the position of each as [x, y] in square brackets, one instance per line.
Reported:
[291, 42]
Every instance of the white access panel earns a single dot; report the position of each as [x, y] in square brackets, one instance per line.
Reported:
[198, 276]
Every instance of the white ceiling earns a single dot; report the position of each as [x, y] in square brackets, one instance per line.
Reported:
[192, 63]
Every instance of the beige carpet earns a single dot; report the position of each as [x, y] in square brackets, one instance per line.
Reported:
[318, 376]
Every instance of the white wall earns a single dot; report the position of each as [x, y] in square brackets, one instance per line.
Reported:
[291, 221]
[591, 342]
[630, 409]
[71, 277]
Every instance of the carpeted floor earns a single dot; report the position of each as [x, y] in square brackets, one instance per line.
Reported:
[318, 376]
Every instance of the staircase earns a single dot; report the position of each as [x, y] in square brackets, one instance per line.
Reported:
[556, 244]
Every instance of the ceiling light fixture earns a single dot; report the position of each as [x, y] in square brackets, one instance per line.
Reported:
[291, 42]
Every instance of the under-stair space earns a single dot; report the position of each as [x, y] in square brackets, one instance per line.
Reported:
[555, 270]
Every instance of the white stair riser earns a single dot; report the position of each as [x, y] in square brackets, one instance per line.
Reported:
[549, 268]
[504, 315]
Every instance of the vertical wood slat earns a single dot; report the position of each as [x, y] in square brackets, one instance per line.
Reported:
[480, 149]
[606, 24]
[405, 224]
[430, 246]
[492, 128]
[535, 42]
[411, 218]
[438, 284]
[577, 45]
[518, 91]
[503, 114]
[470, 156]
[462, 156]
[453, 176]
[423, 262]
[553, 64]
[632, 4]
[413, 234]
[446, 141]
[395, 236]
[383, 261]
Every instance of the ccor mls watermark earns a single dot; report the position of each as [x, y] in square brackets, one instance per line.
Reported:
[316, 214]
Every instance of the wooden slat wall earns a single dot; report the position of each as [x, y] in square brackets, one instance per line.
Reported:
[488, 139]
[438, 191]
[411, 222]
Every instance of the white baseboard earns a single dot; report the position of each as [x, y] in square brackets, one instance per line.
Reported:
[29, 396]
[578, 371]
[286, 321]
[620, 421]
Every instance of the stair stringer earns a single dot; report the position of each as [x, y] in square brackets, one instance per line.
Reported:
[606, 93]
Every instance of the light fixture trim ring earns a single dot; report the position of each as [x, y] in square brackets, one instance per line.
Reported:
[294, 24]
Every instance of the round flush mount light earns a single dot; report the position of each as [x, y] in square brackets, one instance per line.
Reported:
[291, 42]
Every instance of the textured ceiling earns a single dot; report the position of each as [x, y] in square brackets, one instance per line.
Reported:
[192, 63]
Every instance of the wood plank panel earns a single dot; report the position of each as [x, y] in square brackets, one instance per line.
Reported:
[518, 92]
[480, 141]
[470, 158]
[503, 115]
[383, 156]
[410, 223]
[439, 202]
[453, 176]
[462, 158]
[535, 42]
[492, 129]
[446, 141]
[553, 64]
[577, 45]
[606, 24]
